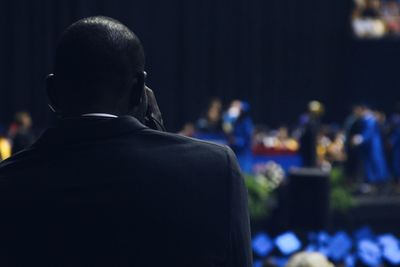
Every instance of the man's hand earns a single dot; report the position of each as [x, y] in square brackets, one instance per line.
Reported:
[152, 118]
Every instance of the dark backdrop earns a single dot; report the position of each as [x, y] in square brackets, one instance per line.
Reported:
[277, 54]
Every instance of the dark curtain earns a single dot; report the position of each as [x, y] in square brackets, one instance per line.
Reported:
[276, 54]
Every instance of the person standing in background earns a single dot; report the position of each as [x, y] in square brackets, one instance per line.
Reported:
[211, 122]
[370, 147]
[352, 127]
[308, 139]
[395, 143]
[20, 133]
[238, 126]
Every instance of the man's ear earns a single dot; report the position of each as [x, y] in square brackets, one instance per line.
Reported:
[52, 93]
[138, 98]
[137, 90]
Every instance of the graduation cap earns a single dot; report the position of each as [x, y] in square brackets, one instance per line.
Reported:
[311, 248]
[339, 246]
[369, 253]
[388, 240]
[350, 260]
[390, 247]
[323, 238]
[262, 244]
[312, 237]
[364, 232]
[288, 243]
[321, 241]
[392, 255]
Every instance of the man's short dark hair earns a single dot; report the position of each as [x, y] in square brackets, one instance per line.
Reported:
[97, 56]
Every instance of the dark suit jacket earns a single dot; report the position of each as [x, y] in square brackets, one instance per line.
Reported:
[112, 192]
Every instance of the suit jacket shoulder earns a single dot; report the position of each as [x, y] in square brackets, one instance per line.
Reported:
[113, 192]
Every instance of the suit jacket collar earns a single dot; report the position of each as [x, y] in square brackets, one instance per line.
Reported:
[84, 129]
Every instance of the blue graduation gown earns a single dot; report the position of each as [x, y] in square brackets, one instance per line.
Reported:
[242, 133]
[395, 141]
[371, 151]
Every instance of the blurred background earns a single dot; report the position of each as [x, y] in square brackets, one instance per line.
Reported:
[305, 92]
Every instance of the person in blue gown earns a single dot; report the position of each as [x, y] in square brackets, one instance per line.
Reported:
[238, 126]
[370, 146]
[395, 143]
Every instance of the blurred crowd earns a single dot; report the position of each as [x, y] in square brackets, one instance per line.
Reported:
[17, 136]
[233, 127]
[366, 144]
[376, 18]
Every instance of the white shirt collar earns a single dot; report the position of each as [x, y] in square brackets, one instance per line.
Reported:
[106, 115]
